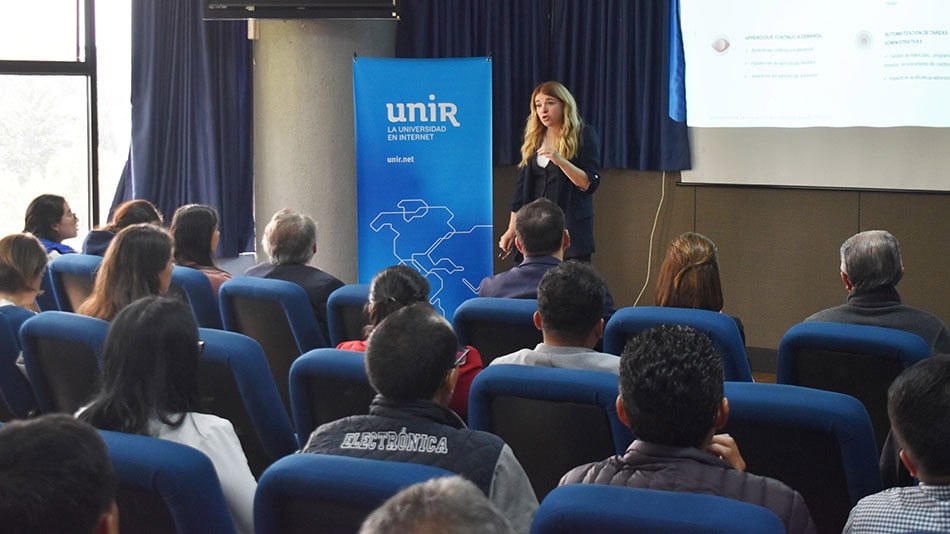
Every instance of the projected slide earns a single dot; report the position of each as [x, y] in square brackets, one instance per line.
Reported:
[804, 63]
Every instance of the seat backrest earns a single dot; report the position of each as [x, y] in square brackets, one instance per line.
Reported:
[857, 360]
[611, 509]
[278, 315]
[335, 493]
[197, 290]
[73, 277]
[165, 486]
[721, 328]
[15, 388]
[236, 385]
[819, 443]
[553, 419]
[63, 354]
[496, 326]
[346, 313]
[46, 300]
[326, 385]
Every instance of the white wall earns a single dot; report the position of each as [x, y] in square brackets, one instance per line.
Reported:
[304, 156]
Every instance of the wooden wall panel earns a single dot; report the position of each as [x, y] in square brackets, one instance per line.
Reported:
[921, 222]
[778, 247]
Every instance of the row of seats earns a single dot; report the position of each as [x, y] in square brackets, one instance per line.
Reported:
[63, 352]
[857, 360]
[70, 279]
[807, 353]
[818, 442]
[170, 487]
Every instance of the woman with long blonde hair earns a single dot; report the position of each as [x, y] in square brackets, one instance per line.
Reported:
[560, 161]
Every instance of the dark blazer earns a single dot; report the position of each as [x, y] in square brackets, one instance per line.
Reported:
[578, 205]
[317, 283]
[521, 282]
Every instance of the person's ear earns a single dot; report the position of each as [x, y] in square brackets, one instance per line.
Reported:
[599, 328]
[722, 415]
[108, 521]
[314, 248]
[444, 394]
[566, 240]
[622, 412]
[537, 320]
[519, 246]
[451, 380]
[909, 463]
[847, 282]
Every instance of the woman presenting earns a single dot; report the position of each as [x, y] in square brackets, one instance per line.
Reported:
[560, 160]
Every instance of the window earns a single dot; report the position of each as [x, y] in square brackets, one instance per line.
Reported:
[47, 133]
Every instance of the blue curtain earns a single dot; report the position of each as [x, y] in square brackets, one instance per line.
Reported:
[191, 116]
[612, 54]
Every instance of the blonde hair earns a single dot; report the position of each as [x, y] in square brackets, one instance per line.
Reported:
[534, 131]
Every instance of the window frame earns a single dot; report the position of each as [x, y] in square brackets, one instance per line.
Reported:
[87, 67]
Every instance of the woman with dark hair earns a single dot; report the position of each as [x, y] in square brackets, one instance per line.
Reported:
[50, 218]
[689, 276]
[149, 386]
[396, 287]
[196, 234]
[126, 214]
[23, 262]
[138, 263]
[560, 161]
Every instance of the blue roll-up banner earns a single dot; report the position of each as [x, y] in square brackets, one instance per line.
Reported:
[423, 171]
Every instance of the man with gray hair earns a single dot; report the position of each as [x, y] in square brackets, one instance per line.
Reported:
[447, 504]
[870, 269]
[290, 241]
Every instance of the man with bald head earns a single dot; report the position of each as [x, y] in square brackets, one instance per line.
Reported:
[871, 267]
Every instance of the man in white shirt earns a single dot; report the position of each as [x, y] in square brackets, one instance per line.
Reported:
[571, 319]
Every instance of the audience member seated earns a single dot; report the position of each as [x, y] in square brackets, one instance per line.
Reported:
[127, 214]
[290, 241]
[671, 397]
[541, 236]
[195, 231]
[49, 218]
[150, 387]
[56, 477]
[918, 404]
[447, 504]
[138, 263]
[871, 267]
[411, 360]
[571, 319]
[689, 276]
[22, 266]
[398, 286]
